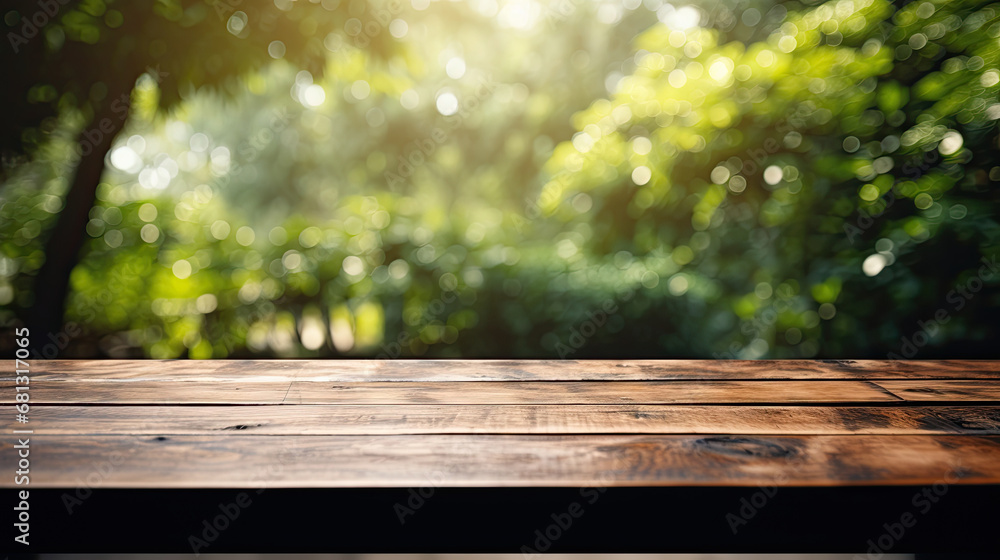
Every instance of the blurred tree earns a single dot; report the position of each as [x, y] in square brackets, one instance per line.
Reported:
[84, 57]
[784, 178]
[618, 178]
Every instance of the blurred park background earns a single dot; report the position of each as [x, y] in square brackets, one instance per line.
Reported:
[501, 178]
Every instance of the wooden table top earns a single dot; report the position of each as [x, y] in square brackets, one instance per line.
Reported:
[387, 424]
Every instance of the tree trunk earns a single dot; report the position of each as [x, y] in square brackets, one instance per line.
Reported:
[62, 250]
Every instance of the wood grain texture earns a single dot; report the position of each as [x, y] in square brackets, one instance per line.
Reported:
[354, 423]
[945, 390]
[505, 370]
[154, 392]
[459, 460]
[453, 393]
[509, 419]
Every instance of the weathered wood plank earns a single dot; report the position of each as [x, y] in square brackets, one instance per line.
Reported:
[587, 392]
[945, 390]
[509, 419]
[514, 392]
[505, 370]
[457, 460]
[154, 392]
[470, 392]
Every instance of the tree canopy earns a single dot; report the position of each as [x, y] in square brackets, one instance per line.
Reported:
[514, 179]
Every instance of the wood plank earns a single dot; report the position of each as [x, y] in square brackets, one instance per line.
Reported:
[470, 392]
[587, 392]
[947, 390]
[457, 460]
[154, 392]
[505, 370]
[496, 392]
[510, 419]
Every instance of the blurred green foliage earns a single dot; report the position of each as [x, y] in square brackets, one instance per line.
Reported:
[565, 179]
